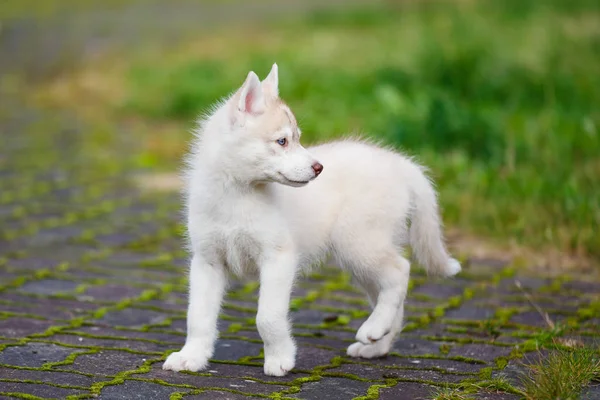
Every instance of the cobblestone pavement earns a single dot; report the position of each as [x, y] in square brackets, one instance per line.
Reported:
[93, 296]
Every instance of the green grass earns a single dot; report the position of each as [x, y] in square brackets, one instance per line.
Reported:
[499, 99]
[451, 394]
[563, 375]
[470, 390]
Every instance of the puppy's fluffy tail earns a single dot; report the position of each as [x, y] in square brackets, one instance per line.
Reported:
[425, 231]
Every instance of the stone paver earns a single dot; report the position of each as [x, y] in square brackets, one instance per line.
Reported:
[93, 296]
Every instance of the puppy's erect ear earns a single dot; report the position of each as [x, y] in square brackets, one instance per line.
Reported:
[271, 82]
[251, 98]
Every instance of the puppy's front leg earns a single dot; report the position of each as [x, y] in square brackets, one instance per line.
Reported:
[207, 287]
[276, 279]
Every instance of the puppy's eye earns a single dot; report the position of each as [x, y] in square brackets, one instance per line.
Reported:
[282, 141]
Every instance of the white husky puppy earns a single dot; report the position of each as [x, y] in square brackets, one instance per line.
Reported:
[252, 212]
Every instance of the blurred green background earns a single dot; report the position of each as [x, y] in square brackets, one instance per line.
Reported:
[499, 98]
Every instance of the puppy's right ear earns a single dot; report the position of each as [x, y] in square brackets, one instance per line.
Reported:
[250, 97]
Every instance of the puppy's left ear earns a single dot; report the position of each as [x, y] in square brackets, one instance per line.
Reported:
[271, 83]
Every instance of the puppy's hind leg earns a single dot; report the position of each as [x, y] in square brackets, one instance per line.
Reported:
[387, 291]
[382, 346]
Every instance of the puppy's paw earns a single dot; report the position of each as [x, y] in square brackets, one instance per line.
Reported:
[279, 365]
[188, 359]
[453, 267]
[354, 349]
[374, 350]
[372, 331]
[279, 360]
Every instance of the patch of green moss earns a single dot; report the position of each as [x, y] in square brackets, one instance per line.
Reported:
[485, 373]
[503, 314]
[591, 311]
[34, 382]
[235, 307]
[24, 396]
[422, 297]
[445, 349]
[501, 362]
[466, 340]
[70, 359]
[234, 328]
[96, 347]
[467, 360]
[120, 377]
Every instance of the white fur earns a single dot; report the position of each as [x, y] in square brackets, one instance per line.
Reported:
[246, 218]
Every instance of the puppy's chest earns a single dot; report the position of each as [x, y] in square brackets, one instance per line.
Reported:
[241, 243]
[241, 251]
[240, 233]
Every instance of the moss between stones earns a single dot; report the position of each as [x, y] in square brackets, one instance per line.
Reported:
[467, 360]
[373, 390]
[9, 314]
[97, 387]
[70, 359]
[593, 310]
[409, 368]
[95, 347]
[34, 382]
[466, 340]
[69, 218]
[21, 396]
[111, 337]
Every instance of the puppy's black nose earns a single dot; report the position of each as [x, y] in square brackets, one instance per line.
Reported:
[318, 168]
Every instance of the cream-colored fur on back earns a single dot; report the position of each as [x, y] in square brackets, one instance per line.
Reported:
[364, 189]
[259, 204]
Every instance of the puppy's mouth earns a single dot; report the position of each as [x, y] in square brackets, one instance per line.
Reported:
[292, 182]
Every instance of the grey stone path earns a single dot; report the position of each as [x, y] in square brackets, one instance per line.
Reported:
[93, 296]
